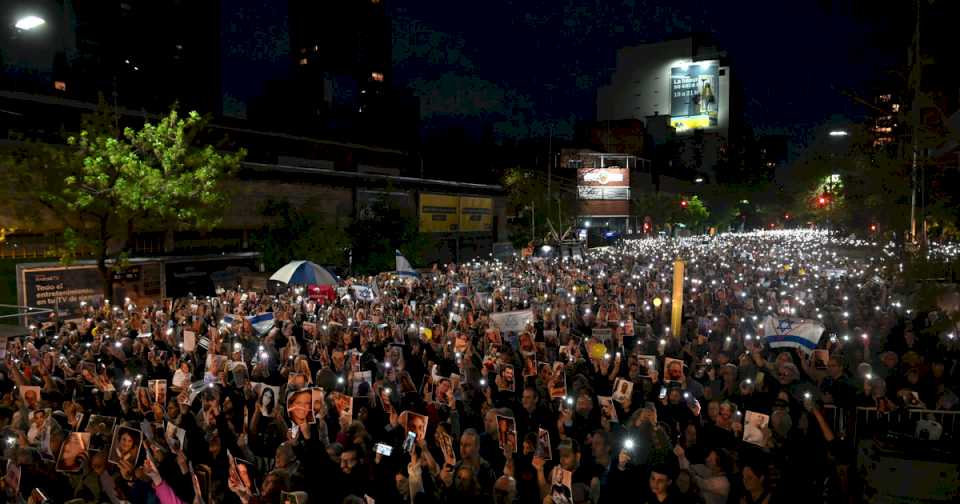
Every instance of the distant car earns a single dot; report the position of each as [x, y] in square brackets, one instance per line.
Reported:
[602, 237]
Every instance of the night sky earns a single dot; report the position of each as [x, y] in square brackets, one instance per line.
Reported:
[526, 65]
[542, 60]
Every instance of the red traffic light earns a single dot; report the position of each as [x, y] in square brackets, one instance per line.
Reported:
[821, 200]
[683, 203]
[873, 228]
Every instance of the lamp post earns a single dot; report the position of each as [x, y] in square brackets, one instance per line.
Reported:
[29, 22]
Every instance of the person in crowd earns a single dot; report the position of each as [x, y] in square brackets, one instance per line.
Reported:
[461, 346]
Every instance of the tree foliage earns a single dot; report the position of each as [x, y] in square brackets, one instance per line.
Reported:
[527, 198]
[378, 232]
[299, 234]
[106, 183]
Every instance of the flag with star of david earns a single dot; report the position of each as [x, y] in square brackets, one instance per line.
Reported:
[782, 332]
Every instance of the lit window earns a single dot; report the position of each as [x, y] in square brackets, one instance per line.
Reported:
[60, 85]
[303, 61]
[895, 107]
[377, 76]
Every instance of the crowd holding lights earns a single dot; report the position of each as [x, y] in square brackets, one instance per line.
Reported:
[433, 391]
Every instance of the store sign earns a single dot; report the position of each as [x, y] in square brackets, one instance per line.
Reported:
[603, 176]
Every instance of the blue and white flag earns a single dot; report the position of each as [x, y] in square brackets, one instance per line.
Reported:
[364, 293]
[262, 322]
[404, 268]
[783, 332]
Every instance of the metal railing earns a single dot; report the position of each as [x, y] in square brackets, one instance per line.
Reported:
[13, 314]
[865, 422]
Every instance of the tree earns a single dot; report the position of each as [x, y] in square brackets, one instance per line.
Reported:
[105, 184]
[378, 232]
[526, 193]
[695, 214]
[298, 234]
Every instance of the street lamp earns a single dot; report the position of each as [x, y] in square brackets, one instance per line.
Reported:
[698, 180]
[31, 22]
[839, 133]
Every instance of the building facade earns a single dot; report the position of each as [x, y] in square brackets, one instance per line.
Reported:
[684, 85]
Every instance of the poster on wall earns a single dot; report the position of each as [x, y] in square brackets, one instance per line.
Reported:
[439, 213]
[476, 214]
[695, 95]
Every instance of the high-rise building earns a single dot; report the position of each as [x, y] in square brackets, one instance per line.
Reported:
[342, 56]
[686, 81]
[139, 54]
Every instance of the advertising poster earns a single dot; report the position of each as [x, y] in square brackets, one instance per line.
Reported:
[476, 214]
[439, 213]
[695, 95]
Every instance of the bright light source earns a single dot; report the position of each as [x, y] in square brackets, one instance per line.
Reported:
[698, 180]
[586, 224]
[30, 22]
[628, 444]
[839, 133]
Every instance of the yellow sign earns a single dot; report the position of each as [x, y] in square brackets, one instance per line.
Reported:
[690, 122]
[476, 214]
[677, 301]
[439, 213]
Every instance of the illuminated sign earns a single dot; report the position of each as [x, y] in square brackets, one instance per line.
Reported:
[603, 176]
[695, 95]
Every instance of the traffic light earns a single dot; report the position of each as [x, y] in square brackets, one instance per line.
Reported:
[822, 200]
[683, 203]
[873, 228]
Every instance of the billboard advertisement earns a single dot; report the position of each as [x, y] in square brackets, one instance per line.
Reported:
[695, 95]
[63, 288]
[439, 213]
[476, 214]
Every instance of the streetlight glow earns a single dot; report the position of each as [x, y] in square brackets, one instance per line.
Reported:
[30, 22]
[839, 133]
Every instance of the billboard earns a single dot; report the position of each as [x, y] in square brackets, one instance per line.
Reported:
[439, 213]
[63, 288]
[695, 95]
[476, 214]
[603, 184]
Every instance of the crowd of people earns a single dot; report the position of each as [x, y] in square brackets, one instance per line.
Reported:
[525, 380]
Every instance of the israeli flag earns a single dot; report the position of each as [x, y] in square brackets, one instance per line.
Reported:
[792, 332]
[404, 268]
[262, 323]
[364, 293]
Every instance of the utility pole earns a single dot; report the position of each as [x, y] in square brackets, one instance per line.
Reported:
[533, 223]
[916, 71]
[549, 168]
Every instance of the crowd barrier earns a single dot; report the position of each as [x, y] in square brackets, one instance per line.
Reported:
[865, 422]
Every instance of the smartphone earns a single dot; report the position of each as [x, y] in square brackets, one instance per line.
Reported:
[385, 449]
[410, 441]
[663, 392]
